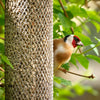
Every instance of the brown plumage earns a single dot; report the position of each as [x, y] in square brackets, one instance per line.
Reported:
[63, 49]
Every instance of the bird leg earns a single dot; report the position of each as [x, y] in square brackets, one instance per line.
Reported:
[64, 70]
[56, 68]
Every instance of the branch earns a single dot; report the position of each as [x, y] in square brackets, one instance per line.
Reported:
[91, 48]
[72, 30]
[78, 48]
[2, 38]
[64, 70]
[63, 8]
[86, 3]
[1, 3]
[2, 69]
[66, 15]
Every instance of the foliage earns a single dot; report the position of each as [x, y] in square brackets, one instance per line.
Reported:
[62, 27]
[65, 93]
[2, 93]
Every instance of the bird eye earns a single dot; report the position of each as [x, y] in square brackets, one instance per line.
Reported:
[76, 39]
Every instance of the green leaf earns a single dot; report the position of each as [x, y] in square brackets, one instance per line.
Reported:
[56, 26]
[57, 9]
[97, 25]
[77, 1]
[3, 1]
[56, 79]
[56, 2]
[1, 48]
[1, 21]
[62, 81]
[97, 39]
[73, 60]
[66, 33]
[79, 89]
[70, 15]
[93, 16]
[64, 2]
[56, 91]
[65, 21]
[6, 60]
[94, 58]
[77, 11]
[86, 40]
[66, 92]
[1, 92]
[82, 60]
[66, 66]
[90, 90]
[65, 82]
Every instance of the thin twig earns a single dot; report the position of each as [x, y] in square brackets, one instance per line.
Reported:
[63, 8]
[80, 50]
[90, 49]
[1, 3]
[2, 38]
[86, 3]
[76, 50]
[64, 70]
[2, 69]
[72, 30]
[66, 15]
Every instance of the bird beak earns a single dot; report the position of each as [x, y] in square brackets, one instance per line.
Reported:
[79, 43]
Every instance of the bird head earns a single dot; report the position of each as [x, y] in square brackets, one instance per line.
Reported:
[73, 40]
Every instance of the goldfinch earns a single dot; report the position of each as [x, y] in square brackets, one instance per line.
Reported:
[63, 49]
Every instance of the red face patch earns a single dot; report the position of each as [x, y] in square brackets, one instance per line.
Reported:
[75, 40]
[74, 43]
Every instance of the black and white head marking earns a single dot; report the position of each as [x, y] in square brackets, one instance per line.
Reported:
[65, 38]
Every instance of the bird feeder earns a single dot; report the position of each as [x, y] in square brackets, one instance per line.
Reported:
[29, 47]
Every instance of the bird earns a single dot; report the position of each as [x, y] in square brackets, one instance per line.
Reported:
[63, 49]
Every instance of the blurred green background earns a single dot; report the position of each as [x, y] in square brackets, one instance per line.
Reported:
[83, 16]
